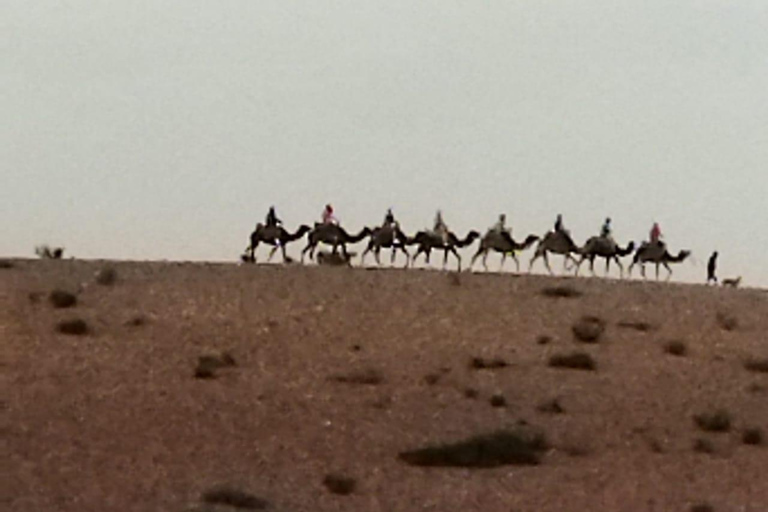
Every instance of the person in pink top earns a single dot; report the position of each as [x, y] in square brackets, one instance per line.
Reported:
[328, 216]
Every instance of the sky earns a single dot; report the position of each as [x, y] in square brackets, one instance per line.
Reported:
[160, 129]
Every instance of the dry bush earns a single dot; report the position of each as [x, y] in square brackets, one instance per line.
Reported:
[6, 264]
[73, 327]
[208, 364]
[551, 407]
[718, 421]
[702, 507]
[507, 447]
[432, 378]
[498, 400]
[106, 276]
[701, 445]
[756, 365]
[588, 329]
[564, 292]
[61, 299]
[544, 340]
[339, 484]
[369, 377]
[727, 321]
[137, 321]
[574, 360]
[478, 363]
[471, 393]
[675, 348]
[753, 436]
[637, 326]
[231, 497]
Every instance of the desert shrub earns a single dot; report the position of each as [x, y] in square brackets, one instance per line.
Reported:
[137, 321]
[61, 299]
[471, 393]
[106, 276]
[702, 507]
[339, 484]
[675, 348]
[498, 400]
[73, 327]
[543, 340]
[637, 326]
[566, 292]
[574, 360]
[6, 264]
[432, 378]
[718, 421]
[368, 377]
[727, 321]
[588, 329]
[753, 436]
[500, 448]
[756, 365]
[478, 363]
[229, 496]
[703, 446]
[551, 407]
[208, 364]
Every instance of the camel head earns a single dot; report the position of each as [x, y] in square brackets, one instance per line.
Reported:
[530, 240]
[303, 230]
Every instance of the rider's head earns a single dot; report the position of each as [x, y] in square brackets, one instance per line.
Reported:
[503, 217]
[329, 208]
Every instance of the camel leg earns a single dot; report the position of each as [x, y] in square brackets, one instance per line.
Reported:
[607, 266]
[642, 270]
[285, 256]
[272, 253]
[445, 258]
[530, 264]
[621, 267]
[305, 250]
[455, 253]
[669, 270]
[546, 264]
[657, 270]
[474, 257]
[503, 259]
[366, 251]
[517, 263]
[485, 259]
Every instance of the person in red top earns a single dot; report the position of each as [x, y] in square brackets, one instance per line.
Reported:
[655, 233]
[328, 216]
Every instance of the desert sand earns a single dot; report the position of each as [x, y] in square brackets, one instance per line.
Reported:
[337, 371]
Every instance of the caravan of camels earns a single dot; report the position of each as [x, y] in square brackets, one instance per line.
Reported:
[497, 239]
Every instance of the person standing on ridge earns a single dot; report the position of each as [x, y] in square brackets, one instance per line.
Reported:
[712, 268]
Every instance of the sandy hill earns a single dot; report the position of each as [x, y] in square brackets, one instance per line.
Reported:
[318, 386]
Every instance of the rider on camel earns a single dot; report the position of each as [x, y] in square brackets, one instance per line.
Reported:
[605, 231]
[440, 229]
[389, 220]
[655, 234]
[272, 219]
[328, 216]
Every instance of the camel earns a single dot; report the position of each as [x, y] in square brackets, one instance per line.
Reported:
[556, 242]
[386, 237]
[333, 235]
[504, 243]
[656, 253]
[275, 236]
[428, 240]
[605, 248]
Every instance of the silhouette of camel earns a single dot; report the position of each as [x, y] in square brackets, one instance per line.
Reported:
[556, 242]
[428, 240]
[333, 235]
[656, 253]
[386, 237]
[605, 248]
[275, 236]
[504, 243]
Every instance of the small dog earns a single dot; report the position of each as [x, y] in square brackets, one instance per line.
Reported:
[733, 283]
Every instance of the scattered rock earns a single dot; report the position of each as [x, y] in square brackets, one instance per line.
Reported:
[718, 421]
[566, 292]
[588, 329]
[339, 484]
[675, 348]
[498, 400]
[701, 445]
[137, 321]
[432, 379]
[702, 507]
[6, 264]
[73, 327]
[368, 377]
[208, 364]
[544, 340]
[574, 360]
[478, 363]
[756, 365]
[471, 393]
[61, 299]
[753, 436]
[551, 407]
[229, 496]
[484, 451]
[637, 326]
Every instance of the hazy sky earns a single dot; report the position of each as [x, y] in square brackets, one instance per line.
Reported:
[165, 129]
